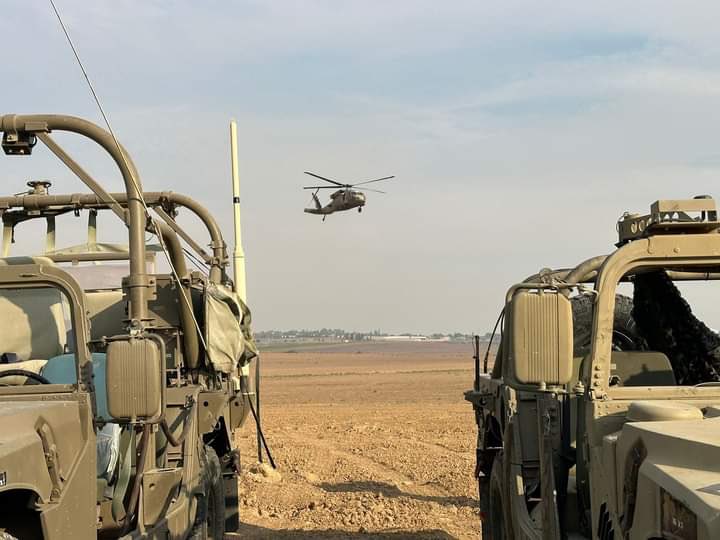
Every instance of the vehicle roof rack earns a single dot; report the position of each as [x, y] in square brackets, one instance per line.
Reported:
[689, 216]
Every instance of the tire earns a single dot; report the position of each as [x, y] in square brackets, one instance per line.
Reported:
[210, 518]
[626, 337]
[625, 331]
[484, 493]
[496, 527]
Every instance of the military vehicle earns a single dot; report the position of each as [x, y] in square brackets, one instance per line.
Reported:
[343, 199]
[601, 415]
[120, 385]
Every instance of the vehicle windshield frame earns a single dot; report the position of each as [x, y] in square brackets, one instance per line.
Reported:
[35, 276]
[668, 253]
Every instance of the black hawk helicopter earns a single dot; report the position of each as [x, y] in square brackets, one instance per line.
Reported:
[343, 199]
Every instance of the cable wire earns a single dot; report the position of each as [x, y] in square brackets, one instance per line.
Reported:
[197, 262]
[262, 440]
[130, 170]
[147, 210]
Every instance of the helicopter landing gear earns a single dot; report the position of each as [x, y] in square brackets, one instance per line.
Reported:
[359, 209]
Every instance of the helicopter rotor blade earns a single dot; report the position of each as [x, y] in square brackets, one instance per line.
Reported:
[326, 179]
[368, 189]
[320, 187]
[371, 181]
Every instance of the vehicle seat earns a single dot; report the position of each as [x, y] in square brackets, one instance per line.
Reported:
[642, 368]
[61, 370]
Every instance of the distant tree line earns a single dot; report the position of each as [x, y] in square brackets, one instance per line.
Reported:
[339, 334]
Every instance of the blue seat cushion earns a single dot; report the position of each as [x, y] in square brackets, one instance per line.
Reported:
[61, 370]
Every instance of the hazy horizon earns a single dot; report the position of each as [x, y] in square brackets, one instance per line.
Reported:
[518, 132]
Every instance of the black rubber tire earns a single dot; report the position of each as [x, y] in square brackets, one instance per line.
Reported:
[626, 337]
[210, 518]
[496, 526]
[625, 332]
[484, 494]
[200, 528]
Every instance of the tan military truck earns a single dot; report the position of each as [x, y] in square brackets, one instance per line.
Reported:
[121, 383]
[601, 415]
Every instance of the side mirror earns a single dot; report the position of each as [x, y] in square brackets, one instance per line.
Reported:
[542, 337]
[134, 379]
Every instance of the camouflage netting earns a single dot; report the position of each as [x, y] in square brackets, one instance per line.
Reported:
[668, 325]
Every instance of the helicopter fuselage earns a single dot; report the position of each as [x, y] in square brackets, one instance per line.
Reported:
[340, 200]
[345, 198]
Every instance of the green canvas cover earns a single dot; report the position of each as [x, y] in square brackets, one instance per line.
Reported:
[224, 329]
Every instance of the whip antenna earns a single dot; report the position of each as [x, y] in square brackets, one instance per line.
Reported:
[238, 254]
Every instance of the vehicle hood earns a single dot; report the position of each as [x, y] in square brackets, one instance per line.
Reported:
[674, 469]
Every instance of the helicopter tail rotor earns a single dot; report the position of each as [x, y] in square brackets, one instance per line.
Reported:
[315, 201]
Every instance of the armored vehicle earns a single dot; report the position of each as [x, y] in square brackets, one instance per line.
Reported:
[601, 415]
[123, 374]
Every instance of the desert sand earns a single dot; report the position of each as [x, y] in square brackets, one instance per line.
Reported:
[370, 441]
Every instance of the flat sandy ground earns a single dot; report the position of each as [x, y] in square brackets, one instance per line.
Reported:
[371, 442]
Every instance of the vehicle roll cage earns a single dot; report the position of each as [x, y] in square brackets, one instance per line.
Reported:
[683, 257]
[20, 134]
[18, 208]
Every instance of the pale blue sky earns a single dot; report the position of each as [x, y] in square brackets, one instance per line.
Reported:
[508, 125]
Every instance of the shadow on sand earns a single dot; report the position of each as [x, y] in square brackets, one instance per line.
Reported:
[390, 490]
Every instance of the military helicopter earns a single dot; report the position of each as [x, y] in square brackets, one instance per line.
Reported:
[343, 199]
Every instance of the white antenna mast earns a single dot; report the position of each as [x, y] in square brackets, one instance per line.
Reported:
[238, 254]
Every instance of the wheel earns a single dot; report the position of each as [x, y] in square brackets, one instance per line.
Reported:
[626, 337]
[496, 526]
[625, 332]
[359, 209]
[484, 492]
[210, 518]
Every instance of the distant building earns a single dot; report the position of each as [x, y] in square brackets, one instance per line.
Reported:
[399, 338]
[336, 335]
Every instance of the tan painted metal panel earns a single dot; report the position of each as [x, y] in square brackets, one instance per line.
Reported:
[542, 337]
[133, 378]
